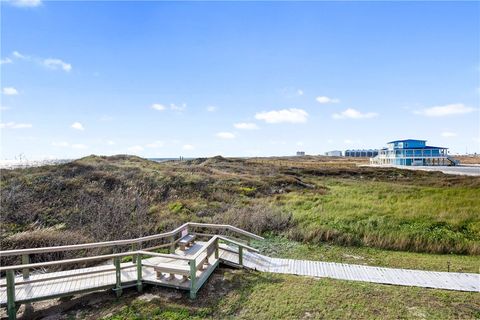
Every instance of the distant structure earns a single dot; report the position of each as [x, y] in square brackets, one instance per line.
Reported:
[300, 153]
[361, 153]
[412, 152]
[333, 153]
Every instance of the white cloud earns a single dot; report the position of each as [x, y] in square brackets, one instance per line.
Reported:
[56, 64]
[225, 135]
[60, 144]
[300, 143]
[446, 110]
[246, 126]
[330, 141]
[79, 146]
[211, 108]
[448, 134]
[188, 147]
[77, 126]
[64, 144]
[14, 125]
[18, 55]
[178, 107]
[26, 3]
[292, 115]
[135, 149]
[354, 114]
[325, 99]
[4, 108]
[300, 92]
[110, 142]
[9, 91]
[155, 144]
[6, 61]
[158, 106]
[347, 141]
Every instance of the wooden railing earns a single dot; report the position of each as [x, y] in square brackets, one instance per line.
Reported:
[195, 262]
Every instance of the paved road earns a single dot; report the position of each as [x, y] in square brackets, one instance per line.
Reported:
[470, 170]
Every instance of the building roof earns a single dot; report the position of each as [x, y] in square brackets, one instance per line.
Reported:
[406, 140]
[426, 147]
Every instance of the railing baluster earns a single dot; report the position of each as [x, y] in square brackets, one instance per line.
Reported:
[11, 309]
[134, 256]
[118, 276]
[193, 276]
[240, 255]
[172, 244]
[26, 271]
[139, 273]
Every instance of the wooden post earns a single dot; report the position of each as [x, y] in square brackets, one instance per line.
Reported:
[139, 273]
[193, 276]
[240, 256]
[26, 271]
[118, 275]
[172, 244]
[134, 256]
[11, 309]
[216, 248]
[27, 313]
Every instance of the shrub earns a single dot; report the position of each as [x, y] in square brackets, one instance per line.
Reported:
[256, 218]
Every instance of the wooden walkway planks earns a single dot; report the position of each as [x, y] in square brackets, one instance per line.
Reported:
[105, 274]
[104, 278]
[404, 277]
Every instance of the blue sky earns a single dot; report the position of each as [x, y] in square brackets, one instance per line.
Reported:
[164, 79]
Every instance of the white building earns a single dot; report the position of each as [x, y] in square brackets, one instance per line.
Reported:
[333, 153]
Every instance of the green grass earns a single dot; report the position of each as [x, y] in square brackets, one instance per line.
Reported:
[282, 247]
[252, 295]
[390, 215]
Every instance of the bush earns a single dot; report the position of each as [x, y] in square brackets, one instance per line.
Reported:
[256, 218]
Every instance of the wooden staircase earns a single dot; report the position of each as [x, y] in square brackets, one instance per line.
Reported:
[186, 267]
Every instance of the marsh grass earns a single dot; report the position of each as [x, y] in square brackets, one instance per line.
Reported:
[388, 215]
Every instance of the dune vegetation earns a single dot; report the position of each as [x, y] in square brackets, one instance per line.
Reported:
[105, 198]
[313, 208]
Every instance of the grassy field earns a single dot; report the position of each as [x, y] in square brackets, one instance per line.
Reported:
[399, 216]
[252, 295]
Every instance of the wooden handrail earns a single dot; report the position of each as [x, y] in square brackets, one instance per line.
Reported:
[92, 244]
[226, 226]
[127, 241]
[163, 255]
[238, 243]
[104, 257]
[67, 261]
[205, 247]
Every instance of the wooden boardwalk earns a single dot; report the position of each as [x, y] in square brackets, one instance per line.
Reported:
[187, 269]
[102, 277]
[403, 277]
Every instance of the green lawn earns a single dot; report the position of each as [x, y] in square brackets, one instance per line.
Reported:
[391, 215]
